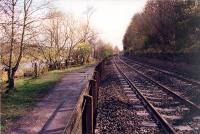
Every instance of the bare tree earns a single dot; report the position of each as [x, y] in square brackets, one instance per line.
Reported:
[63, 33]
[18, 24]
[55, 37]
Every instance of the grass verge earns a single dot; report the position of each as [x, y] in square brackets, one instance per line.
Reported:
[28, 91]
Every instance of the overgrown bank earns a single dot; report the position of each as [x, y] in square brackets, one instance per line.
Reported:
[165, 27]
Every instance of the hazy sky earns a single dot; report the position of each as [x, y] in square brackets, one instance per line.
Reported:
[110, 17]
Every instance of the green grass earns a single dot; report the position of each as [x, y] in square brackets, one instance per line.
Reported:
[28, 91]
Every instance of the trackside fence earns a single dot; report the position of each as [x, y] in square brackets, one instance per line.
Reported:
[83, 118]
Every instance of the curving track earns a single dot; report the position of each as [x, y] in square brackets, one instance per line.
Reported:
[173, 113]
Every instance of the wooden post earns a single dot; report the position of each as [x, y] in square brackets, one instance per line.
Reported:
[97, 78]
[94, 94]
[102, 66]
[100, 70]
[89, 128]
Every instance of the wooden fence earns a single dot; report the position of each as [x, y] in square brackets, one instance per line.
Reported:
[83, 119]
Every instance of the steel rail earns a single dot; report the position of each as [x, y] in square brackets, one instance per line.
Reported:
[164, 124]
[166, 72]
[166, 89]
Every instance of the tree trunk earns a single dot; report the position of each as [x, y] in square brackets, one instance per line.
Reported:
[10, 71]
[11, 82]
[36, 70]
[67, 63]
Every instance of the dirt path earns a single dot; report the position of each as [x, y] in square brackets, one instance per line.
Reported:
[53, 112]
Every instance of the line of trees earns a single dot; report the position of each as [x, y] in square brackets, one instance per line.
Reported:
[61, 35]
[44, 36]
[165, 26]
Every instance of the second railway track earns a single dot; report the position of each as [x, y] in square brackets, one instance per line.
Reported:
[174, 113]
[185, 87]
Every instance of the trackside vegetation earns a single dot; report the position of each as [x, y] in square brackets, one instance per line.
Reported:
[165, 26]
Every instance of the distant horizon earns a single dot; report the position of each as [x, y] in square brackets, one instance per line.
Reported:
[110, 18]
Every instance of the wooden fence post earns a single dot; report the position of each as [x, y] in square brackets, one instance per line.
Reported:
[94, 94]
[97, 78]
[102, 66]
[100, 70]
[89, 126]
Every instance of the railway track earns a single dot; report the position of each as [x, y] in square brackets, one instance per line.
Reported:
[149, 124]
[195, 82]
[172, 113]
[185, 87]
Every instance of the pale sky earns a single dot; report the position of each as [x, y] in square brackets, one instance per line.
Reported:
[110, 18]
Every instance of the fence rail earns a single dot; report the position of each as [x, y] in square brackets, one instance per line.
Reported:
[83, 119]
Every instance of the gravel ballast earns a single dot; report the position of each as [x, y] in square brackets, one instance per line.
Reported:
[118, 111]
